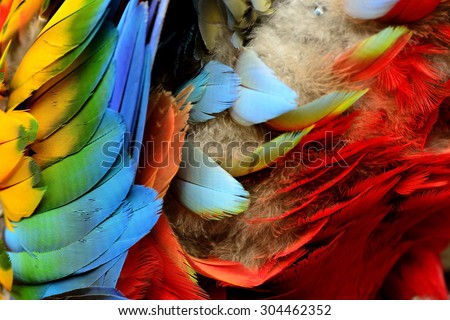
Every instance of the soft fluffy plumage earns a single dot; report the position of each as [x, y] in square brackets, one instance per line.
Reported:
[391, 135]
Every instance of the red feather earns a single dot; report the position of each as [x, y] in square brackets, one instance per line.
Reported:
[156, 269]
[411, 10]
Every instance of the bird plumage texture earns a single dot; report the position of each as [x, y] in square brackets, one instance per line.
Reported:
[287, 149]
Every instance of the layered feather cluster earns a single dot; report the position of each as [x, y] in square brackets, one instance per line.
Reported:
[343, 197]
[78, 102]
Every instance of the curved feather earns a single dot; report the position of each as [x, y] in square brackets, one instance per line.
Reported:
[39, 267]
[20, 130]
[39, 291]
[61, 41]
[146, 208]
[165, 133]
[75, 219]
[75, 134]
[368, 9]
[373, 54]
[411, 10]
[203, 187]
[267, 154]
[263, 96]
[91, 293]
[130, 74]
[216, 88]
[84, 168]
[25, 169]
[21, 199]
[59, 103]
[322, 109]
[6, 273]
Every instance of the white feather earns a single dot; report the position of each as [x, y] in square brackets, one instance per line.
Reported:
[263, 95]
[368, 9]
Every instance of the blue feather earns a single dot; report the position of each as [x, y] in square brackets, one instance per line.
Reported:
[124, 50]
[133, 89]
[140, 125]
[91, 293]
[60, 286]
[145, 208]
[368, 9]
[112, 275]
[216, 88]
[156, 24]
[203, 187]
[38, 267]
[263, 96]
[74, 220]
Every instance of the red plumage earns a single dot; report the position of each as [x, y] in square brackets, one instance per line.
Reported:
[376, 214]
[411, 10]
[371, 216]
[156, 269]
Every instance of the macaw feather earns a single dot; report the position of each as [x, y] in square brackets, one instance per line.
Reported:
[146, 209]
[20, 14]
[156, 269]
[25, 169]
[371, 9]
[129, 59]
[20, 130]
[263, 96]
[63, 100]
[410, 10]
[266, 154]
[76, 133]
[216, 88]
[84, 168]
[54, 265]
[203, 187]
[6, 273]
[75, 219]
[372, 55]
[320, 110]
[40, 291]
[60, 42]
[21, 200]
[90, 293]
[165, 132]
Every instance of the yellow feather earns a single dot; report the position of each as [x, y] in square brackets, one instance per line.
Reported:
[211, 22]
[6, 273]
[6, 279]
[10, 154]
[19, 16]
[262, 5]
[238, 8]
[11, 128]
[69, 29]
[20, 201]
[25, 169]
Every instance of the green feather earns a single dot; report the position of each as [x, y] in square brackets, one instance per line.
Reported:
[73, 176]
